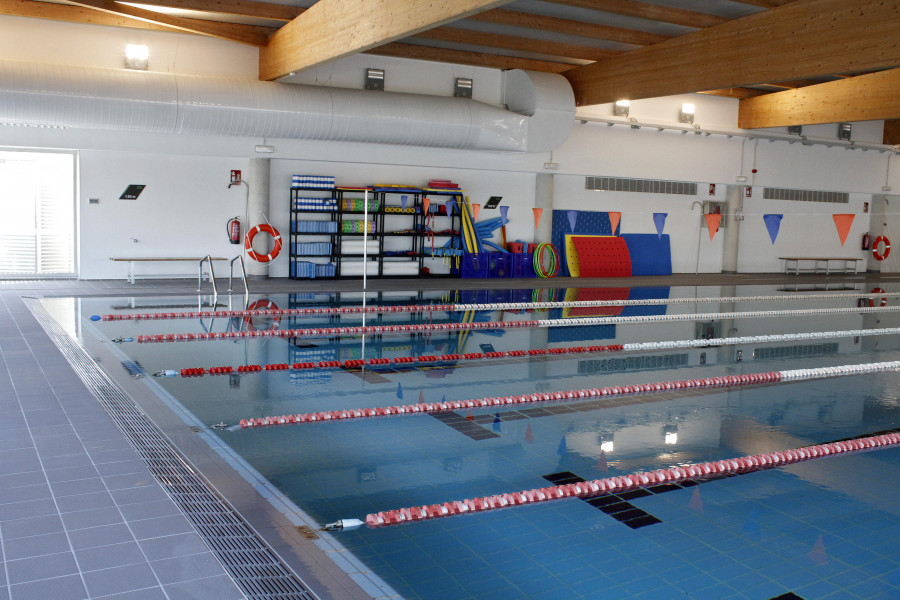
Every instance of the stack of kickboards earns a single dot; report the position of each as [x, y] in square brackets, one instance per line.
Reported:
[315, 203]
[442, 184]
[318, 182]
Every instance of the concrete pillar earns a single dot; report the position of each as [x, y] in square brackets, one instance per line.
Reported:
[543, 199]
[258, 200]
[734, 198]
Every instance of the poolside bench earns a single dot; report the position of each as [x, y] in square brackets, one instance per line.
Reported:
[131, 261]
[827, 265]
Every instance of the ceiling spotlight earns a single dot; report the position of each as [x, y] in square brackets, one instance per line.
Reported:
[621, 107]
[137, 57]
[687, 113]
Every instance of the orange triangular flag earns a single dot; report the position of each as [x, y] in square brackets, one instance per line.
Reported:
[475, 209]
[843, 223]
[614, 221]
[537, 216]
[712, 222]
[426, 202]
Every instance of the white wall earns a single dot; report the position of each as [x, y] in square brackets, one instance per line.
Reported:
[185, 206]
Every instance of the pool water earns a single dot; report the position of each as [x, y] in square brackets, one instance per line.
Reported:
[820, 529]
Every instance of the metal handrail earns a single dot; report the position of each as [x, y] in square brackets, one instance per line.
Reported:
[212, 277]
[239, 257]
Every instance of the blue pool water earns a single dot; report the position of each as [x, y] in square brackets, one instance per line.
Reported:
[822, 529]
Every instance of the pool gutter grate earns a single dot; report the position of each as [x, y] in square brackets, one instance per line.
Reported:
[255, 567]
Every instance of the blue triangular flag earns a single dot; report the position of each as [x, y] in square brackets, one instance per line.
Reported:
[773, 224]
[572, 214]
[659, 219]
[399, 391]
[403, 201]
[450, 204]
[503, 211]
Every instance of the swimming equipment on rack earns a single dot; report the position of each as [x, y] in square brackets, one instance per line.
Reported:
[610, 485]
[887, 248]
[248, 243]
[538, 260]
[624, 390]
[877, 290]
[263, 306]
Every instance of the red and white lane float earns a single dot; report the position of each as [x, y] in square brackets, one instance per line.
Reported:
[531, 323]
[527, 306]
[623, 390]
[611, 485]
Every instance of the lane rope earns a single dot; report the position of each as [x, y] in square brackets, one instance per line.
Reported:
[492, 306]
[468, 326]
[622, 390]
[612, 485]
[630, 347]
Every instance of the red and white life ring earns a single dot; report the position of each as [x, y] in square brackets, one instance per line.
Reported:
[878, 291]
[887, 248]
[262, 303]
[248, 243]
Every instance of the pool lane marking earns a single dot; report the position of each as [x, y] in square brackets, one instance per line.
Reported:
[426, 361]
[624, 390]
[318, 332]
[617, 485]
[491, 306]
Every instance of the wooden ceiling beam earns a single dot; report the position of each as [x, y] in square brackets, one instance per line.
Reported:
[463, 57]
[520, 44]
[805, 38]
[243, 8]
[739, 93]
[651, 12]
[332, 29]
[864, 98]
[892, 132]
[765, 3]
[225, 31]
[566, 26]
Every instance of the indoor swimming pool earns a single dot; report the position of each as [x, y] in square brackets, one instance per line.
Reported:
[822, 528]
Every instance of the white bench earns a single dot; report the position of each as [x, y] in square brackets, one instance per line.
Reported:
[133, 260]
[827, 265]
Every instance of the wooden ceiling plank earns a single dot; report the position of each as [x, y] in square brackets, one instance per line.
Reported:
[569, 27]
[892, 132]
[805, 38]
[521, 44]
[462, 57]
[332, 29]
[864, 98]
[220, 30]
[651, 12]
[244, 8]
[739, 93]
[765, 3]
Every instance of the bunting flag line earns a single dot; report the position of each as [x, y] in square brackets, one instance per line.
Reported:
[475, 209]
[450, 204]
[403, 201]
[426, 202]
[712, 222]
[573, 215]
[537, 216]
[659, 219]
[503, 212]
[773, 224]
[843, 223]
[614, 221]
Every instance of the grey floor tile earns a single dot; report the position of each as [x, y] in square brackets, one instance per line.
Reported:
[34, 526]
[22, 479]
[16, 440]
[24, 493]
[19, 461]
[60, 445]
[144, 594]
[24, 510]
[41, 428]
[220, 588]
[185, 568]
[68, 461]
[100, 536]
[35, 545]
[92, 485]
[149, 510]
[114, 555]
[122, 467]
[173, 546]
[93, 517]
[111, 456]
[84, 502]
[139, 494]
[41, 567]
[160, 527]
[68, 587]
[71, 473]
[130, 481]
[116, 580]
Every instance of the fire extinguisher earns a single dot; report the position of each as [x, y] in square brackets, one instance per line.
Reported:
[234, 230]
[866, 241]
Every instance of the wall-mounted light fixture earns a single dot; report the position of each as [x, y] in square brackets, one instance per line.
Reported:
[621, 108]
[375, 79]
[137, 57]
[687, 113]
[844, 130]
[463, 87]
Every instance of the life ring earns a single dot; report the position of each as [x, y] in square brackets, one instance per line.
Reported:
[878, 291]
[263, 303]
[248, 243]
[887, 248]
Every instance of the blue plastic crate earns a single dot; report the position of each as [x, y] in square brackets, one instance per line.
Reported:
[523, 265]
[474, 266]
[501, 264]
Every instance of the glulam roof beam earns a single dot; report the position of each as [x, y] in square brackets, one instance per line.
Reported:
[227, 31]
[805, 38]
[332, 29]
[464, 57]
[243, 8]
[865, 98]
[516, 43]
[892, 132]
[644, 10]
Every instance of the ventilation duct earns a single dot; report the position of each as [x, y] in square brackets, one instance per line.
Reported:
[142, 101]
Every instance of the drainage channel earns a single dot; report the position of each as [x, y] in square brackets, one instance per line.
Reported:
[252, 564]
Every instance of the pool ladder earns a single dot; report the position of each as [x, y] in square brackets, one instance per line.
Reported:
[212, 275]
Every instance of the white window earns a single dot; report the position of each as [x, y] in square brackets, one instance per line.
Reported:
[37, 212]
